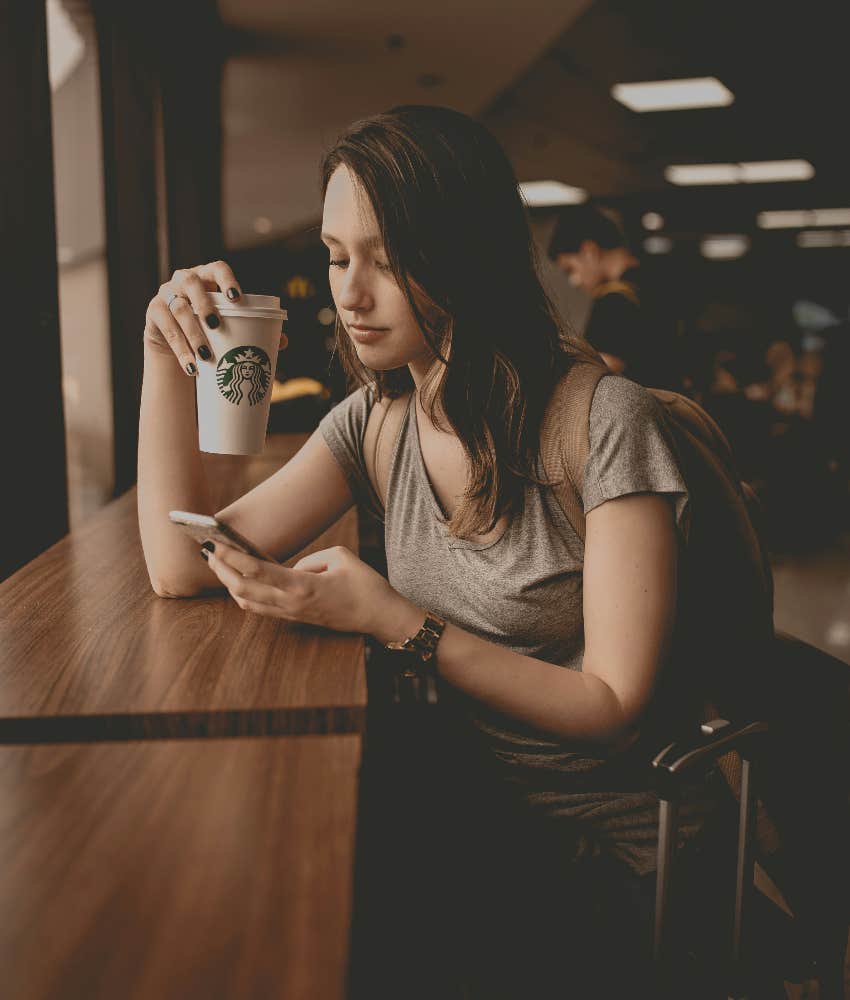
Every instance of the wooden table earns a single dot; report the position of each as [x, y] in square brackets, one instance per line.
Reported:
[88, 651]
[140, 861]
[177, 870]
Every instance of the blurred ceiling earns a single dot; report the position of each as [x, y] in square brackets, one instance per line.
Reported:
[539, 75]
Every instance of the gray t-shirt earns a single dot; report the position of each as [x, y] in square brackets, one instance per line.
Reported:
[524, 591]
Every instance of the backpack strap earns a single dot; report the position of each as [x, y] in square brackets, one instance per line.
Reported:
[565, 437]
[382, 430]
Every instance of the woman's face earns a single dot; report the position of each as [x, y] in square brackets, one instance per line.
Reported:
[367, 297]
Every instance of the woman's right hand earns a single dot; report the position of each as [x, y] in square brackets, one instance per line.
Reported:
[178, 329]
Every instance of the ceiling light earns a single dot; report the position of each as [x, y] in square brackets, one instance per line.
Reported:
[672, 95]
[262, 225]
[768, 171]
[703, 173]
[740, 173]
[544, 193]
[783, 220]
[658, 244]
[831, 217]
[652, 220]
[823, 238]
[799, 218]
[726, 247]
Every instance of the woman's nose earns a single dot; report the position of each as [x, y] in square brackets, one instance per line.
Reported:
[354, 293]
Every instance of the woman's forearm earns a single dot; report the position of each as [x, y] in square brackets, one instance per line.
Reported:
[170, 477]
[566, 703]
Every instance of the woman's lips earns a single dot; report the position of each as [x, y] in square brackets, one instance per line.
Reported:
[365, 334]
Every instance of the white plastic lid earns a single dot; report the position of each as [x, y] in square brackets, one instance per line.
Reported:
[248, 305]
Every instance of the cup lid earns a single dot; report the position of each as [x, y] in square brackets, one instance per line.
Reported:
[248, 304]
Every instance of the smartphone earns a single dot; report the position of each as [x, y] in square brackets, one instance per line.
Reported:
[203, 527]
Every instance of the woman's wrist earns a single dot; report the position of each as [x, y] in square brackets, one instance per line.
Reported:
[401, 619]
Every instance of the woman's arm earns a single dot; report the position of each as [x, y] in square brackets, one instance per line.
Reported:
[170, 476]
[629, 612]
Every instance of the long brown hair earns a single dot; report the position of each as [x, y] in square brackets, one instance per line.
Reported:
[457, 239]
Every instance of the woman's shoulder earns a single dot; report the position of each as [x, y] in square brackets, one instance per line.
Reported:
[619, 398]
[612, 399]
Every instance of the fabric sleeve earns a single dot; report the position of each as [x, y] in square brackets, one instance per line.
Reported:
[631, 448]
[343, 429]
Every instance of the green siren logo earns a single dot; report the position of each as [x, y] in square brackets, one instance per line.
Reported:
[244, 372]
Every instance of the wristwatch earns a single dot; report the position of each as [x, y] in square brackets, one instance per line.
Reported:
[423, 645]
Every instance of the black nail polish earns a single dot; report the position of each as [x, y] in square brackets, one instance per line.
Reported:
[191, 369]
[204, 352]
[208, 545]
[212, 321]
[232, 293]
[205, 556]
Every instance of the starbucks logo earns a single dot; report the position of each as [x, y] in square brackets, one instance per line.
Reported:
[244, 372]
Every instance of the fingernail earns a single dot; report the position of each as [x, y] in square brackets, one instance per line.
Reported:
[212, 321]
[204, 352]
[191, 369]
[232, 293]
[208, 545]
[205, 556]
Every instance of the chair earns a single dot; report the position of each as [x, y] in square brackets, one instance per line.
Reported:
[795, 759]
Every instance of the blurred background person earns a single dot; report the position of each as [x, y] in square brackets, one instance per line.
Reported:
[624, 326]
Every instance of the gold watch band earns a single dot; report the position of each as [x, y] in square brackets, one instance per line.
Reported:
[424, 643]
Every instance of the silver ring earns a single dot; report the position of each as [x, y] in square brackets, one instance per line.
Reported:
[172, 297]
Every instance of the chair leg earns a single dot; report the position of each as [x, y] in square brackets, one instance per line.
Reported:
[667, 826]
[745, 873]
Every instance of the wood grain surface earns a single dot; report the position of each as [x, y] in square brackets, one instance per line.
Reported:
[88, 651]
[192, 869]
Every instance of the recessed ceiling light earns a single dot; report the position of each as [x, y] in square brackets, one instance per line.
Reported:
[673, 95]
[799, 218]
[783, 220]
[776, 170]
[658, 244]
[823, 238]
[545, 193]
[766, 171]
[262, 225]
[729, 246]
[703, 173]
[652, 220]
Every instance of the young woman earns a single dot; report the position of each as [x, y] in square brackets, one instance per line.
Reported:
[551, 650]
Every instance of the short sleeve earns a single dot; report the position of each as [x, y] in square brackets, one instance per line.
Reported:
[343, 429]
[631, 448]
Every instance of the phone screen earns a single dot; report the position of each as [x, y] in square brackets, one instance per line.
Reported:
[203, 527]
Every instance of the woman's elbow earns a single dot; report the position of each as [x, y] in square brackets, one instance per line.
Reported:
[162, 589]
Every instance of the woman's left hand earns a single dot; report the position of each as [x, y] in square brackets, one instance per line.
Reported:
[331, 588]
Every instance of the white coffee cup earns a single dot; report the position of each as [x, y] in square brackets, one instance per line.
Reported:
[234, 388]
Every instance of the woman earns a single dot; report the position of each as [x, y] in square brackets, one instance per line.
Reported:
[434, 279]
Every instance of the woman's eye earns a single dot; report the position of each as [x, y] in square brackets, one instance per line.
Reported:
[337, 263]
